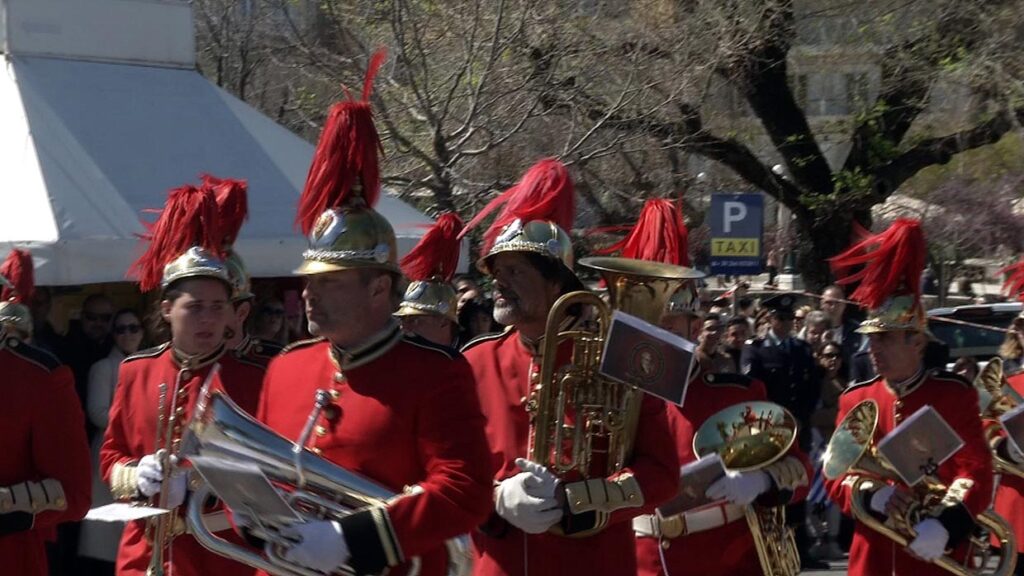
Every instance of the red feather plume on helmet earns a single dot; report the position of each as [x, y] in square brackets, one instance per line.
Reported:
[1013, 286]
[436, 256]
[189, 218]
[545, 192]
[345, 165]
[232, 204]
[893, 261]
[19, 274]
[659, 235]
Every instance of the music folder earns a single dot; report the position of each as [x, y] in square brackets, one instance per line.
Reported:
[245, 488]
[1013, 422]
[653, 359]
[919, 445]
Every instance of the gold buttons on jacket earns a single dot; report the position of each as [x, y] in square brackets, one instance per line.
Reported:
[335, 394]
[320, 431]
[339, 377]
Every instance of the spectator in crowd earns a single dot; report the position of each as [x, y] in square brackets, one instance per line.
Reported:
[824, 518]
[43, 334]
[799, 317]
[97, 547]
[268, 323]
[737, 332]
[467, 289]
[1012, 349]
[709, 352]
[816, 330]
[475, 319]
[843, 331]
[966, 366]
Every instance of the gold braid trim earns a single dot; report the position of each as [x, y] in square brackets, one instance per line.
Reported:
[788, 473]
[603, 495]
[124, 481]
[33, 497]
[956, 492]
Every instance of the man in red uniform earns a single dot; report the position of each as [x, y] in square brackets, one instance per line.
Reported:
[895, 328]
[157, 388]
[682, 541]
[430, 303]
[404, 412]
[529, 256]
[44, 457]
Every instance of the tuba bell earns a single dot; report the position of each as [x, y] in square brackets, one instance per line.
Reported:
[995, 397]
[852, 450]
[316, 488]
[750, 436]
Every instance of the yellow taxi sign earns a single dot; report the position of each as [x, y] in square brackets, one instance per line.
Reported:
[735, 247]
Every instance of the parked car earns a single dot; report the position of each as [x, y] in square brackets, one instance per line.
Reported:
[964, 340]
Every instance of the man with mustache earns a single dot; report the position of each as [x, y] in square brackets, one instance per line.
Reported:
[529, 256]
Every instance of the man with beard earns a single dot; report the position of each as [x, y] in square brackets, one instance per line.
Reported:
[529, 255]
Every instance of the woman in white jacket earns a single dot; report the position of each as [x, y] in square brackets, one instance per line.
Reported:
[98, 543]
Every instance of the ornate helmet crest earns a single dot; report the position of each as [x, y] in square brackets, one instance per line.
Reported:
[17, 282]
[232, 211]
[890, 281]
[430, 267]
[336, 208]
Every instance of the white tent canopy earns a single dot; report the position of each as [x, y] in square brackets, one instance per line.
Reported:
[91, 141]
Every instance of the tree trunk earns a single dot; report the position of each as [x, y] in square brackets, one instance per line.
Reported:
[818, 239]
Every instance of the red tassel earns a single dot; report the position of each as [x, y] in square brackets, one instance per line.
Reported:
[232, 204]
[893, 267]
[660, 235]
[345, 165]
[188, 219]
[1013, 287]
[18, 270]
[436, 256]
[545, 192]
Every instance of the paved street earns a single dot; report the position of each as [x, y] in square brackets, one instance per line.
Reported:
[837, 568]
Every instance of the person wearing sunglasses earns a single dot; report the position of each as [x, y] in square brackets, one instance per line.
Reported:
[97, 545]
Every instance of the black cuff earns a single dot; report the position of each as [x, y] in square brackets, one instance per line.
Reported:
[775, 497]
[495, 526]
[14, 522]
[371, 541]
[958, 521]
[576, 523]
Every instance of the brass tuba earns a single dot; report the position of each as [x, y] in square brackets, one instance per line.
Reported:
[851, 450]
[995, 397]
[313, 486]
[750, 436]
[582, 424]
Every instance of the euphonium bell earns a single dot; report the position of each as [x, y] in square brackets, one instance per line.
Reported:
[851, 450]
[995, 397]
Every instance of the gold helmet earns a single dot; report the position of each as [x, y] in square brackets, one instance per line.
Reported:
[232, 211]
[184, 242]
[336, 207]
[535, 215]
[16, 287]
[890, 281]
[430, 266]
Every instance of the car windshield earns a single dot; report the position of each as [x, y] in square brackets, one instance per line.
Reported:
[966, 340]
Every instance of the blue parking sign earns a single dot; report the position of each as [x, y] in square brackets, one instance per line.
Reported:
[737, 227]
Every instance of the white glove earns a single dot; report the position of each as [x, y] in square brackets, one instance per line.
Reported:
[149, 477]
[931, 540]
[881, 497]
[527, 500]
[740, 488]
[319, 545]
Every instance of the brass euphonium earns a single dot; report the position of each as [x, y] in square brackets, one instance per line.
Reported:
[583, 424]
[751, 436]
[995, 397]
[316, 488]
[852, 450]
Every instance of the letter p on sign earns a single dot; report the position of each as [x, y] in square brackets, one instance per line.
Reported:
[733, 212]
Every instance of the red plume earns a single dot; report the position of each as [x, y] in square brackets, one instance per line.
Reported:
[345, 164]
[893, 267]
[545, 192]
[437, 253]
[188, 219]
[232, 204]
[660, 235]
[1013, 287]
[18, 270]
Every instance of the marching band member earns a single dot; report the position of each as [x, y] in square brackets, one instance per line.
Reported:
[403, 412]
[44, 457]
[890, 290]
[429, 307]
[232, 210]
[682, 541]
[529, 255]
[157, 388]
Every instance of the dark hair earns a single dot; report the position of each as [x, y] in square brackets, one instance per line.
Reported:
[553, 271]
[95, 297]
[124, 311]
[738, 321]
[368, 275]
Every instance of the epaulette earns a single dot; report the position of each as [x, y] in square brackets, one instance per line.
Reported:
[951, 376]
[421, 342]
[302, 344]
[728, 379]
[148, 352]
[485, 338]
[861, 384]
[33, 354]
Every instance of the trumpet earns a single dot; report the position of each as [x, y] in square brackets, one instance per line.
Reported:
[995, 397]
[752, 436]
[851, 450]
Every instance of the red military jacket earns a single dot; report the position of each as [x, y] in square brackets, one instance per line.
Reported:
[42, 436]
[970, 469]
[733, 548]
[405, 415]
[132, 434]
[1009, 501]
[503, 365]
